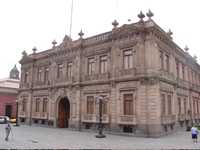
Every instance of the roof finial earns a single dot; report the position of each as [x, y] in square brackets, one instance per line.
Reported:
[186, 48]
[34, 50]
[115, 23]
[149, 14]
[141, 16]
[24, 53]
[54, 43]
[195, 57]
[81, 34]
[170, 33]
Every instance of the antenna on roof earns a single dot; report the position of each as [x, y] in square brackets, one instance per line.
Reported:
[71, 19]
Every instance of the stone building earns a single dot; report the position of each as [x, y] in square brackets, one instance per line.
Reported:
[151, 85]
[8, 94]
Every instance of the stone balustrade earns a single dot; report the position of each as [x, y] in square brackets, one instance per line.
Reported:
[127, 119]
[169, 119]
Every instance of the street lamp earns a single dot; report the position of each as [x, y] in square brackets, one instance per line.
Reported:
[17, 124]
[100, 100]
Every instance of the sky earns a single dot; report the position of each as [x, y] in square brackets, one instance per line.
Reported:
[28, 23]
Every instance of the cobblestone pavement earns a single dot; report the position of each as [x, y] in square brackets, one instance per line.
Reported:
[26, 137]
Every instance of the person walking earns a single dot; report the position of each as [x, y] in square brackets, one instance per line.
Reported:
[195, 133]
[7, 129]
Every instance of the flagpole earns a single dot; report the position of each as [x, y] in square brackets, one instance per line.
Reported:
[71, 19]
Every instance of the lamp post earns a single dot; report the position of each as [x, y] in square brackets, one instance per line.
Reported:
[100, 124]
[17, 123]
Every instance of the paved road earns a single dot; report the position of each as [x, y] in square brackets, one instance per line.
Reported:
[25, 137]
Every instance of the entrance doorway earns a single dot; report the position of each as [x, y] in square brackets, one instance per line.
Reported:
[63, 113]
[8, 111]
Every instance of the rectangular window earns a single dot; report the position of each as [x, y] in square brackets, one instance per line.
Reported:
[179, 105]
[37, 104]
[69, 70]
[163, 104]
[103, 64]
[46, 74]
[91, 66]
[60, 69]
[45, 102]
[26, 77]
[128, 59]
[161, 60]
[177, 68]
[183, 71]
[169, 99]
[39, 74]
[90, 104]
[128, 104]
[167, 63]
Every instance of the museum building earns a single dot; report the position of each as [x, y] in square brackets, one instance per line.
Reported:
[150, 86]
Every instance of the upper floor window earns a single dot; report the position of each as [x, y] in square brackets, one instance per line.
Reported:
[103, 64]
[46, 74]
[167, 63]
[177, 68]
[128, 104]
[39, 74]
[26, 77]
[183, 71]
[161, 60]
[44, 107]
[91, 66]
[128, 59]
[90, 104]
[60, 70]
[69, 69]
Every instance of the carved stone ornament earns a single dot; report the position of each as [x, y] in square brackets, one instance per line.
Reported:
[115, 23]
[81, 34]
[141, 16]
[149, 14]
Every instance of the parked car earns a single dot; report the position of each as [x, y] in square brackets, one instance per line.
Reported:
[4, 119]
[13, 120]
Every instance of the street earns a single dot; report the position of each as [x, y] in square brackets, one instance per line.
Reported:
[26, 137]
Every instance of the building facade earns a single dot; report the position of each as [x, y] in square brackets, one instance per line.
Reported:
[151, 86]
[8, 94]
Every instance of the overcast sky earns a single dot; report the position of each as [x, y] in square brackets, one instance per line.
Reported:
[28, 23]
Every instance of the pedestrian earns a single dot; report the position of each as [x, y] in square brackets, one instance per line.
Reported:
[195, 133]
[7, 129]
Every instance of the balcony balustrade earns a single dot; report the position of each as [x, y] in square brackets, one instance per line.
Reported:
[169, 119]
[127, 119]
[93, 118]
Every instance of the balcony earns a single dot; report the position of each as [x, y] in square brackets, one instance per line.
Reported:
[181, 117]
[167, 75]
[168, 119]
[104, 76]
[23, 114]
[25, 85]
[127, 119]
[36, 115]
[196, 116]
[93, 118]
[126, 72]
